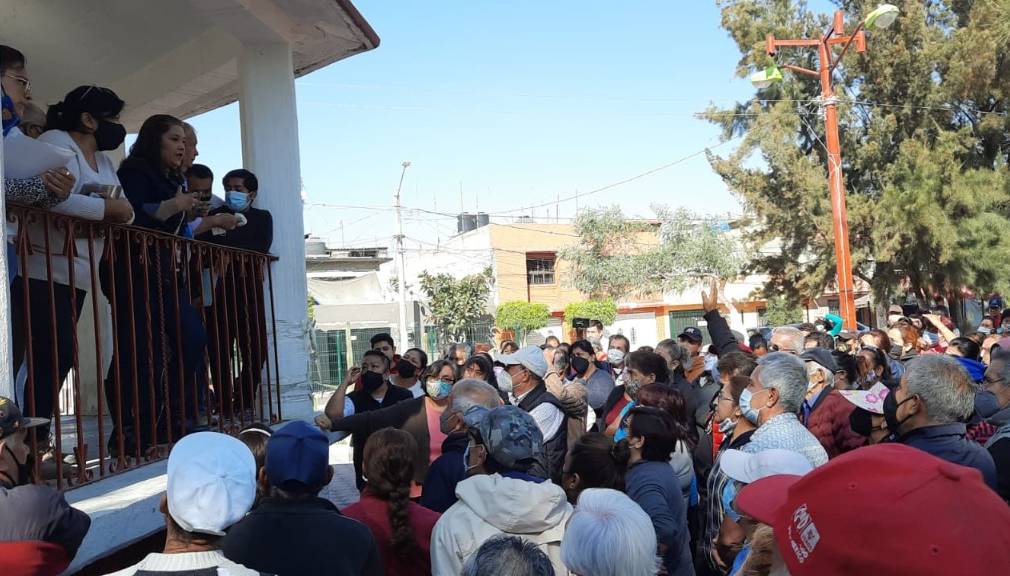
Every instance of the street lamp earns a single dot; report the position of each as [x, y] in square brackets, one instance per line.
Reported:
[883, 17]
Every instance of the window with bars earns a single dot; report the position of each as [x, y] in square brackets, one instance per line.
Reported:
[540, 268]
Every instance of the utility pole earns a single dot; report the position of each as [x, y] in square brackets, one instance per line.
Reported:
[880, 18]
[404, 340]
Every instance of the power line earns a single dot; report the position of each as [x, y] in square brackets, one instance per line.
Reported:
[619, 182]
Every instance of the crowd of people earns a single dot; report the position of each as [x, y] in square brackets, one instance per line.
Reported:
[174, 333]
[787, 456]
[818, 451]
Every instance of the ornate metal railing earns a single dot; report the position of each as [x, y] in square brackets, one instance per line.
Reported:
[180, 338]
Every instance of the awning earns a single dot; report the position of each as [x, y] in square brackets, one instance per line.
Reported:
[174, 57]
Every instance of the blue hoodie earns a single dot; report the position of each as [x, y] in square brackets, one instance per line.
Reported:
[975, 368]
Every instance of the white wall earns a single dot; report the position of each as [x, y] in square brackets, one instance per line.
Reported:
[639, 328]
[459, 256]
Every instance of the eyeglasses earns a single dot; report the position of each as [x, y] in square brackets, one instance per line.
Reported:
[774, 347]
[24, 82]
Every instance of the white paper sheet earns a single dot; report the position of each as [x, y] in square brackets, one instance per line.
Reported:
[26, 157]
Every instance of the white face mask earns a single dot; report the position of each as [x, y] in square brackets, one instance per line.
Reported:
[615, 355]
[505, 382]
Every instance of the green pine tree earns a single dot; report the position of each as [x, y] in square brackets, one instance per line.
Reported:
[923, 117]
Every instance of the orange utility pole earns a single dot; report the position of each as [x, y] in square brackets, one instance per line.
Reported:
[825, 50]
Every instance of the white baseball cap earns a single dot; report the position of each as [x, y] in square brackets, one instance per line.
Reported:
[531, 357]
[871, 400]
[211, 482]
[745, 467]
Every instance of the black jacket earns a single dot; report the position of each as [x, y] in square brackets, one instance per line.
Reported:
[302, 537]
[554, 448]
[948, 442]
[406, 413]
[722, 337]
[257, 235]
[439, 491]
[33, 512]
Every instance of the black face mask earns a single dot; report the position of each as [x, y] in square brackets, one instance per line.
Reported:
[891, 413]
[370, 381]
[109, 135]
[860, 422]
[580, 365]
[405, 368]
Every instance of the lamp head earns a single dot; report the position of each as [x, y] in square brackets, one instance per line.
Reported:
[766, 77]
[881, 18]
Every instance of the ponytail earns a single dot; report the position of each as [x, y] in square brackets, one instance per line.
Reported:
[95, 100]
[389, 467]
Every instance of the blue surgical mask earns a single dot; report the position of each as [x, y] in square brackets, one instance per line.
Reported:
[749, 413]
[237, 201]
[14, 120]
[466, 461]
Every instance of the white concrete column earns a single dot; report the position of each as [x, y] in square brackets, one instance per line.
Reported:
[6, 367]
[270, 149]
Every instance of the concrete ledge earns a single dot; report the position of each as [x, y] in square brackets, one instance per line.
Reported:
[124, 508]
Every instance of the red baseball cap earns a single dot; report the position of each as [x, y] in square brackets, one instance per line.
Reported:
[885, 509]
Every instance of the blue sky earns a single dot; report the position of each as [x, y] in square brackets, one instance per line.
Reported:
[518, 101]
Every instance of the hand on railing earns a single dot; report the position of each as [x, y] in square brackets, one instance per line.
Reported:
[118, 210]
[59, 183]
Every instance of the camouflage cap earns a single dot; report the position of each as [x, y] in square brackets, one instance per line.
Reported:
[11, 419]
[510, 435]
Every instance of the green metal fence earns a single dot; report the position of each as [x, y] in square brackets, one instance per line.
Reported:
[436, 340]
[681, 319]
[330, 361]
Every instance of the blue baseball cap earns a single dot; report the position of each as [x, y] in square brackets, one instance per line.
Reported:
[297, 457]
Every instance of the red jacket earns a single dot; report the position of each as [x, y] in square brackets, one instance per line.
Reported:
[374, 513]
[32, 558]
[829, 422]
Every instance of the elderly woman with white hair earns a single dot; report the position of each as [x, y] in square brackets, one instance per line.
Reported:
[609, 535]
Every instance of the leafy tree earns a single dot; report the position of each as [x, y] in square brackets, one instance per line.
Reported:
[522, 316]
[692, 249]
[783, 311]
[605, 263]
[614, 261]
[603, 310]
[923, 117]
[454, 304]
